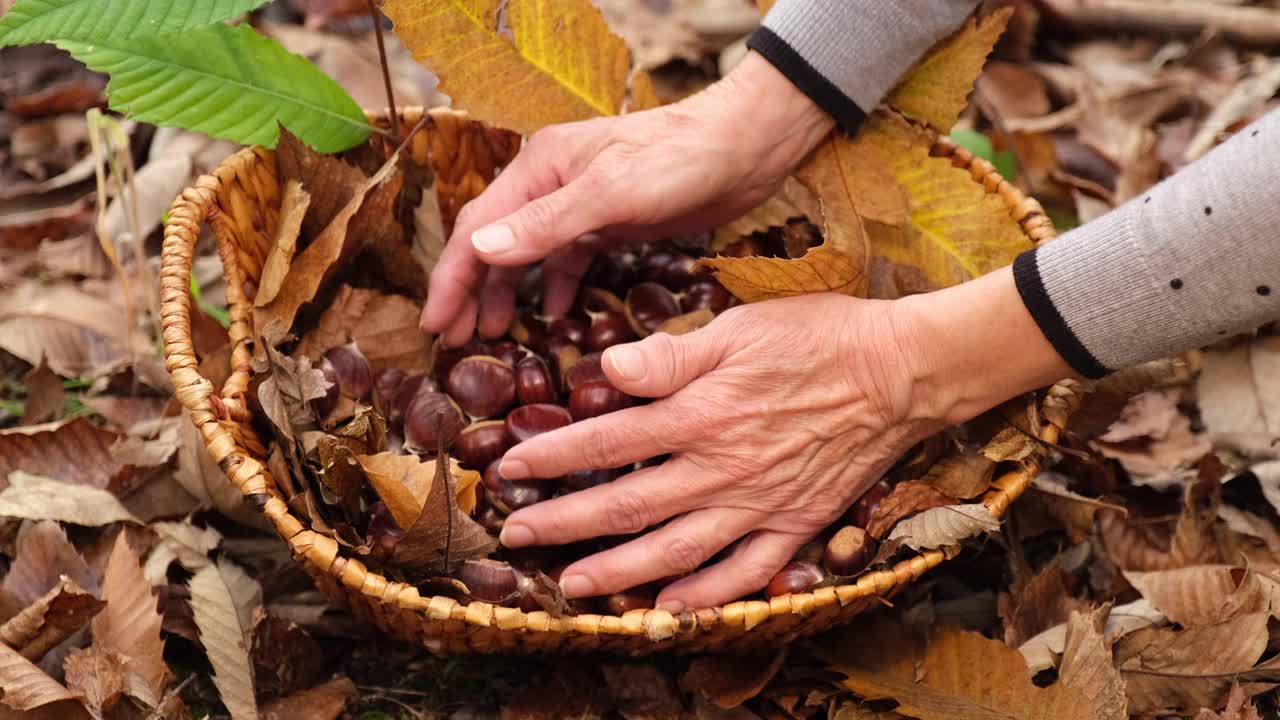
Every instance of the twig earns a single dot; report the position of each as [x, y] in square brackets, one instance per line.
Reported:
[173, 691]
[443, 471]
[1255, 25]
[386, 72]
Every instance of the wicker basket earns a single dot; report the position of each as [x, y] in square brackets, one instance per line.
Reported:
[240, 201]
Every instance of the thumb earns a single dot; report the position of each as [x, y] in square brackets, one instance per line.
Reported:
[661, 364]
[546, 224]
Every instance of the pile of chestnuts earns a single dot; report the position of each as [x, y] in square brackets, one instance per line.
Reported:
[481, 399]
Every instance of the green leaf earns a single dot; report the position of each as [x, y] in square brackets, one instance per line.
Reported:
[34, 21]
[229, 82]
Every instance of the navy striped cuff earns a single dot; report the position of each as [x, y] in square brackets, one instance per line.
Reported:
[811, 82]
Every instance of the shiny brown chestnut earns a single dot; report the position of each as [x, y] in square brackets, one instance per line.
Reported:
[530, 331]
[562, 355]
[706, 293]
[489, 518]
[385, 384]
[529, 421]
[596, 398]
[849, 551]
[533, 381]
[577, 606]
[482, 385]
[508, 352]
[491, 581]
[672, 269]
[481, 443]
[593, 301]
[649, 305]
[796, 577]
[409, 389]
[583, 479]
[431, 417]
[569, 328]
[616, 269]
[588, 369]
[636, 598]
[350, 370]
[384, 534]
[445, 359]
[608, 329]
[325, 404]
[860, 512]
[516, 495]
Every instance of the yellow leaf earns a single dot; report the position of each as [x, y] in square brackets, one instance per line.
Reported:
[936, 89]
[959, 674]
[955, 230]
[556, 62]
[404, 481]
[838, 265]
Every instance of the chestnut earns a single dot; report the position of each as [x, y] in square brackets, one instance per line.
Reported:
[596, 398]
[508, 352]
[616, 269]
[446, 358]
[384, 534]
[608, 329]
[491, 581]
[648, 306]
[562, 355]
[491, 479]
[849, 551]
[432, 417]
[796, 577]
[533, 381]
[672, 269]
[489, 518]
[588, 369]
[706, 293]
[636, 598]
[481, 443]
[529, 421]
[386, 383]
[530, 331]
[516, 495]
[594, 301]
[577, 606]
[405, 394]
[583, 479]
[569, 328]
[350, 370]
[860, 512]
[482, 385]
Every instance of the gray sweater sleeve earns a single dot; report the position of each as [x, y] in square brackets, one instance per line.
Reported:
[847, 54]
[1195, 258]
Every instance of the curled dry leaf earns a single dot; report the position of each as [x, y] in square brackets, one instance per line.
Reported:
[1037, 603]
[180, 541]
[224, 632]
[43, 555]
[568, 64]
[76, 452]
[1073, 512]
[293, 207]
[384, 327]
[97, 675]
[1041, 652]
[329, 182]
[1238, 707]
[1239, 397]
[442, 536]
[791, 202]
[130, 624]
[45, 396]
[729, 681]
[944, 526]
[906, 499]
[404, 483]
[58, 615]
[1087, 665]
[323, 702]
[961, 475]
[33, 497]
[1132, 545]
[1207, 594]
[25, 686]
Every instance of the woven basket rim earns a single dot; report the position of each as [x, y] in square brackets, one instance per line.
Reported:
[211, 414]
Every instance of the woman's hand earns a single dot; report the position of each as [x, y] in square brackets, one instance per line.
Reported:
[777, 416]
[679, 168]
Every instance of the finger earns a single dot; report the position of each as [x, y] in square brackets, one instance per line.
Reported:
[661, 364]
[498, 300]
[608, 441]
[674, 549]
[749, 567]
[561, 274]
[452, 282]
[550, 222]
[626, 505]
[459, 331]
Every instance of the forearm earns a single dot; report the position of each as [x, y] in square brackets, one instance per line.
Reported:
[847, 55]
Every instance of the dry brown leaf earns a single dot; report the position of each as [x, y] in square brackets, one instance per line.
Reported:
[199, 474]
[959, 674]
[1133, 545]
[45, 396]
[33, 497]
[404, 482]
[58, 615]
[77, 452]
[729, 681]
[944, 526]
[97, 675]
[25, 686]
[1074, 512]
[1087, 665]
[224, 632]
[329, 183]
[906, 499]
[1037, 603]
[1238, 708]
[43, 555]
[367, 216]
[561, 54]
[1239, 397]
[937, 88]
[1011, 91]
[293, 207]
[643, 95]
[323, 702]
[1247, 98]
[442, 536]
[965, 475]
[642, 691]
[429, 236]
[1206, 594]
[1041, 652]
[180, 541]
[1166, 669]
[384, 327]
[130, 624]
[125, 414]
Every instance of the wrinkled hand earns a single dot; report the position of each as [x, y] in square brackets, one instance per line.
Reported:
[676, 169]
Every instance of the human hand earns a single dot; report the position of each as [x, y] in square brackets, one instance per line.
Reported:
[683, 167]
[777, 417]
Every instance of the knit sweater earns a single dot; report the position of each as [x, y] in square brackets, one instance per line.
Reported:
[1195, 258]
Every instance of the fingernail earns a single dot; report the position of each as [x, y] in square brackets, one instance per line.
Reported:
[576, 586]
[675, 607]
[513, 470]
[626, 361]
[514, 536]
[493, 240]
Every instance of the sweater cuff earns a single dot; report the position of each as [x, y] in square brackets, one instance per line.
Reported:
[1026, 275]
[811, 82]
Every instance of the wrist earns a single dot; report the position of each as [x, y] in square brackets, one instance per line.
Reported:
[972, 347]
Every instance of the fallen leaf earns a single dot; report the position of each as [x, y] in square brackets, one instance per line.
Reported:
[443, 536]
[1088, 667]
[286, 658]
[293, 207]
[729, 681]
[1041, 652]
[33, 497]
[151, 448]
[1206, 594]
[944, 526]
[130, 624]
[1146, 415]
[1073, 511]
[1238, 708]
[1037, 603]
[1011, 91]
[124, 414]
[329, 182]
[936, 89]
[1133, 545]
[62, 612]
[76, 452]
[180, 541]
[25, 686]
[45, 396]
[323, 702]
[1239, 397]
[384, 328]
[404, 482]
[200, 476]
[961, 475]
[1166, 669]
[1247, 98]
[904, 500]
[1154, 441]
[43, 555]
[224, 632]
[562, 55]
[642, 691]
[96, 675]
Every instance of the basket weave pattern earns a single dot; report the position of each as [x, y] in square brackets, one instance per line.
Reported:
[240, 202]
